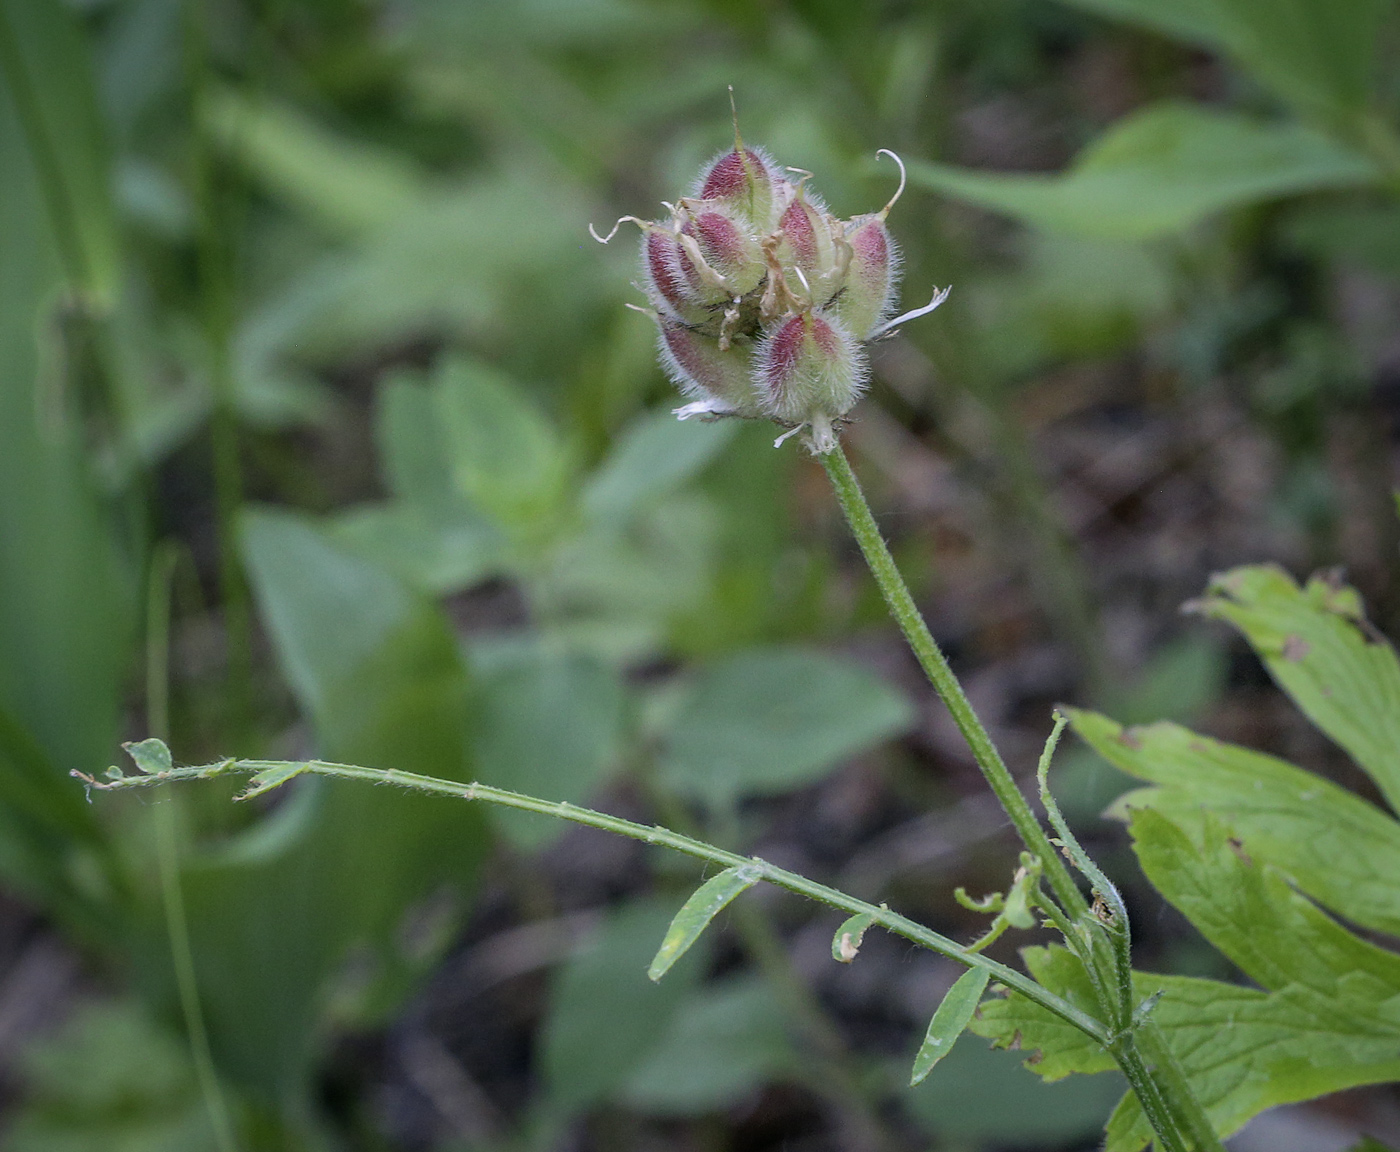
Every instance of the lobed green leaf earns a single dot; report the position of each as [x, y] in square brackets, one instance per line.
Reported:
[1243, 1050]
[1321, 649]
[1331, 844]
[1276, 936]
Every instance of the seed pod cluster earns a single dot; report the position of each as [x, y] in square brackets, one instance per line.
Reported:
[764, 301]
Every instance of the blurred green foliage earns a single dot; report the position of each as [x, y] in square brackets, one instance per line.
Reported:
[307, 288]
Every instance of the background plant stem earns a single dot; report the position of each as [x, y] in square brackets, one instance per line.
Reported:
[162, 568]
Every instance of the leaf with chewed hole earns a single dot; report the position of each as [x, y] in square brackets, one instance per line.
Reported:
[948, 1022]
[846, 943]
[705, 903]
[150, 756]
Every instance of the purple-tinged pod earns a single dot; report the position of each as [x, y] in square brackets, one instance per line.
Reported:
[668, 287]
[812, 240]
[871, 278]
[720, 380]
[720, 260]
[745, 180]
[810, 370]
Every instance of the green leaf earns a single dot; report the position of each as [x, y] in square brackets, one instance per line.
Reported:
[269, 779]
[1159, 171]
[1246, 1051]
[413, 450]
[505, 456]
[349, 185]
[850, 936]
[613, 589]
[1243, 1050]
[358, 870]
[436, 556]
[770, 720]
[549, 723]
[654, 455]
[466, 262]
[705, 903]
[150, 756]
[47, 70]
[1250, 912]
[1321, 650]
[1317, 54]
[949, 1021]
[66, 603]
[1015, 1022]
[604, 1014]
[1333, 845]
[724, 1042]
[109, 1078]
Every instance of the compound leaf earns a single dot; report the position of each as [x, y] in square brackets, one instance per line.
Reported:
[1243, 1050]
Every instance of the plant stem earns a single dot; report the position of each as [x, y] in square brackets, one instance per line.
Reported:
[1149, 1094]
[162, 568]
[280, 771]
[1153, 1092]
[945, 683]
[1169, 1074]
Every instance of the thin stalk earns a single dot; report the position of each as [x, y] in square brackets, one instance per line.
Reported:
[280, 771]
[945, 683]
[163, 562]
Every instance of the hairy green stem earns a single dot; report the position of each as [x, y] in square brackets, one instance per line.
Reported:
[280, 771]
[945, 683]
[1150, 1096]
[162, 569]
[1169, 1073]
[1167, 1101]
